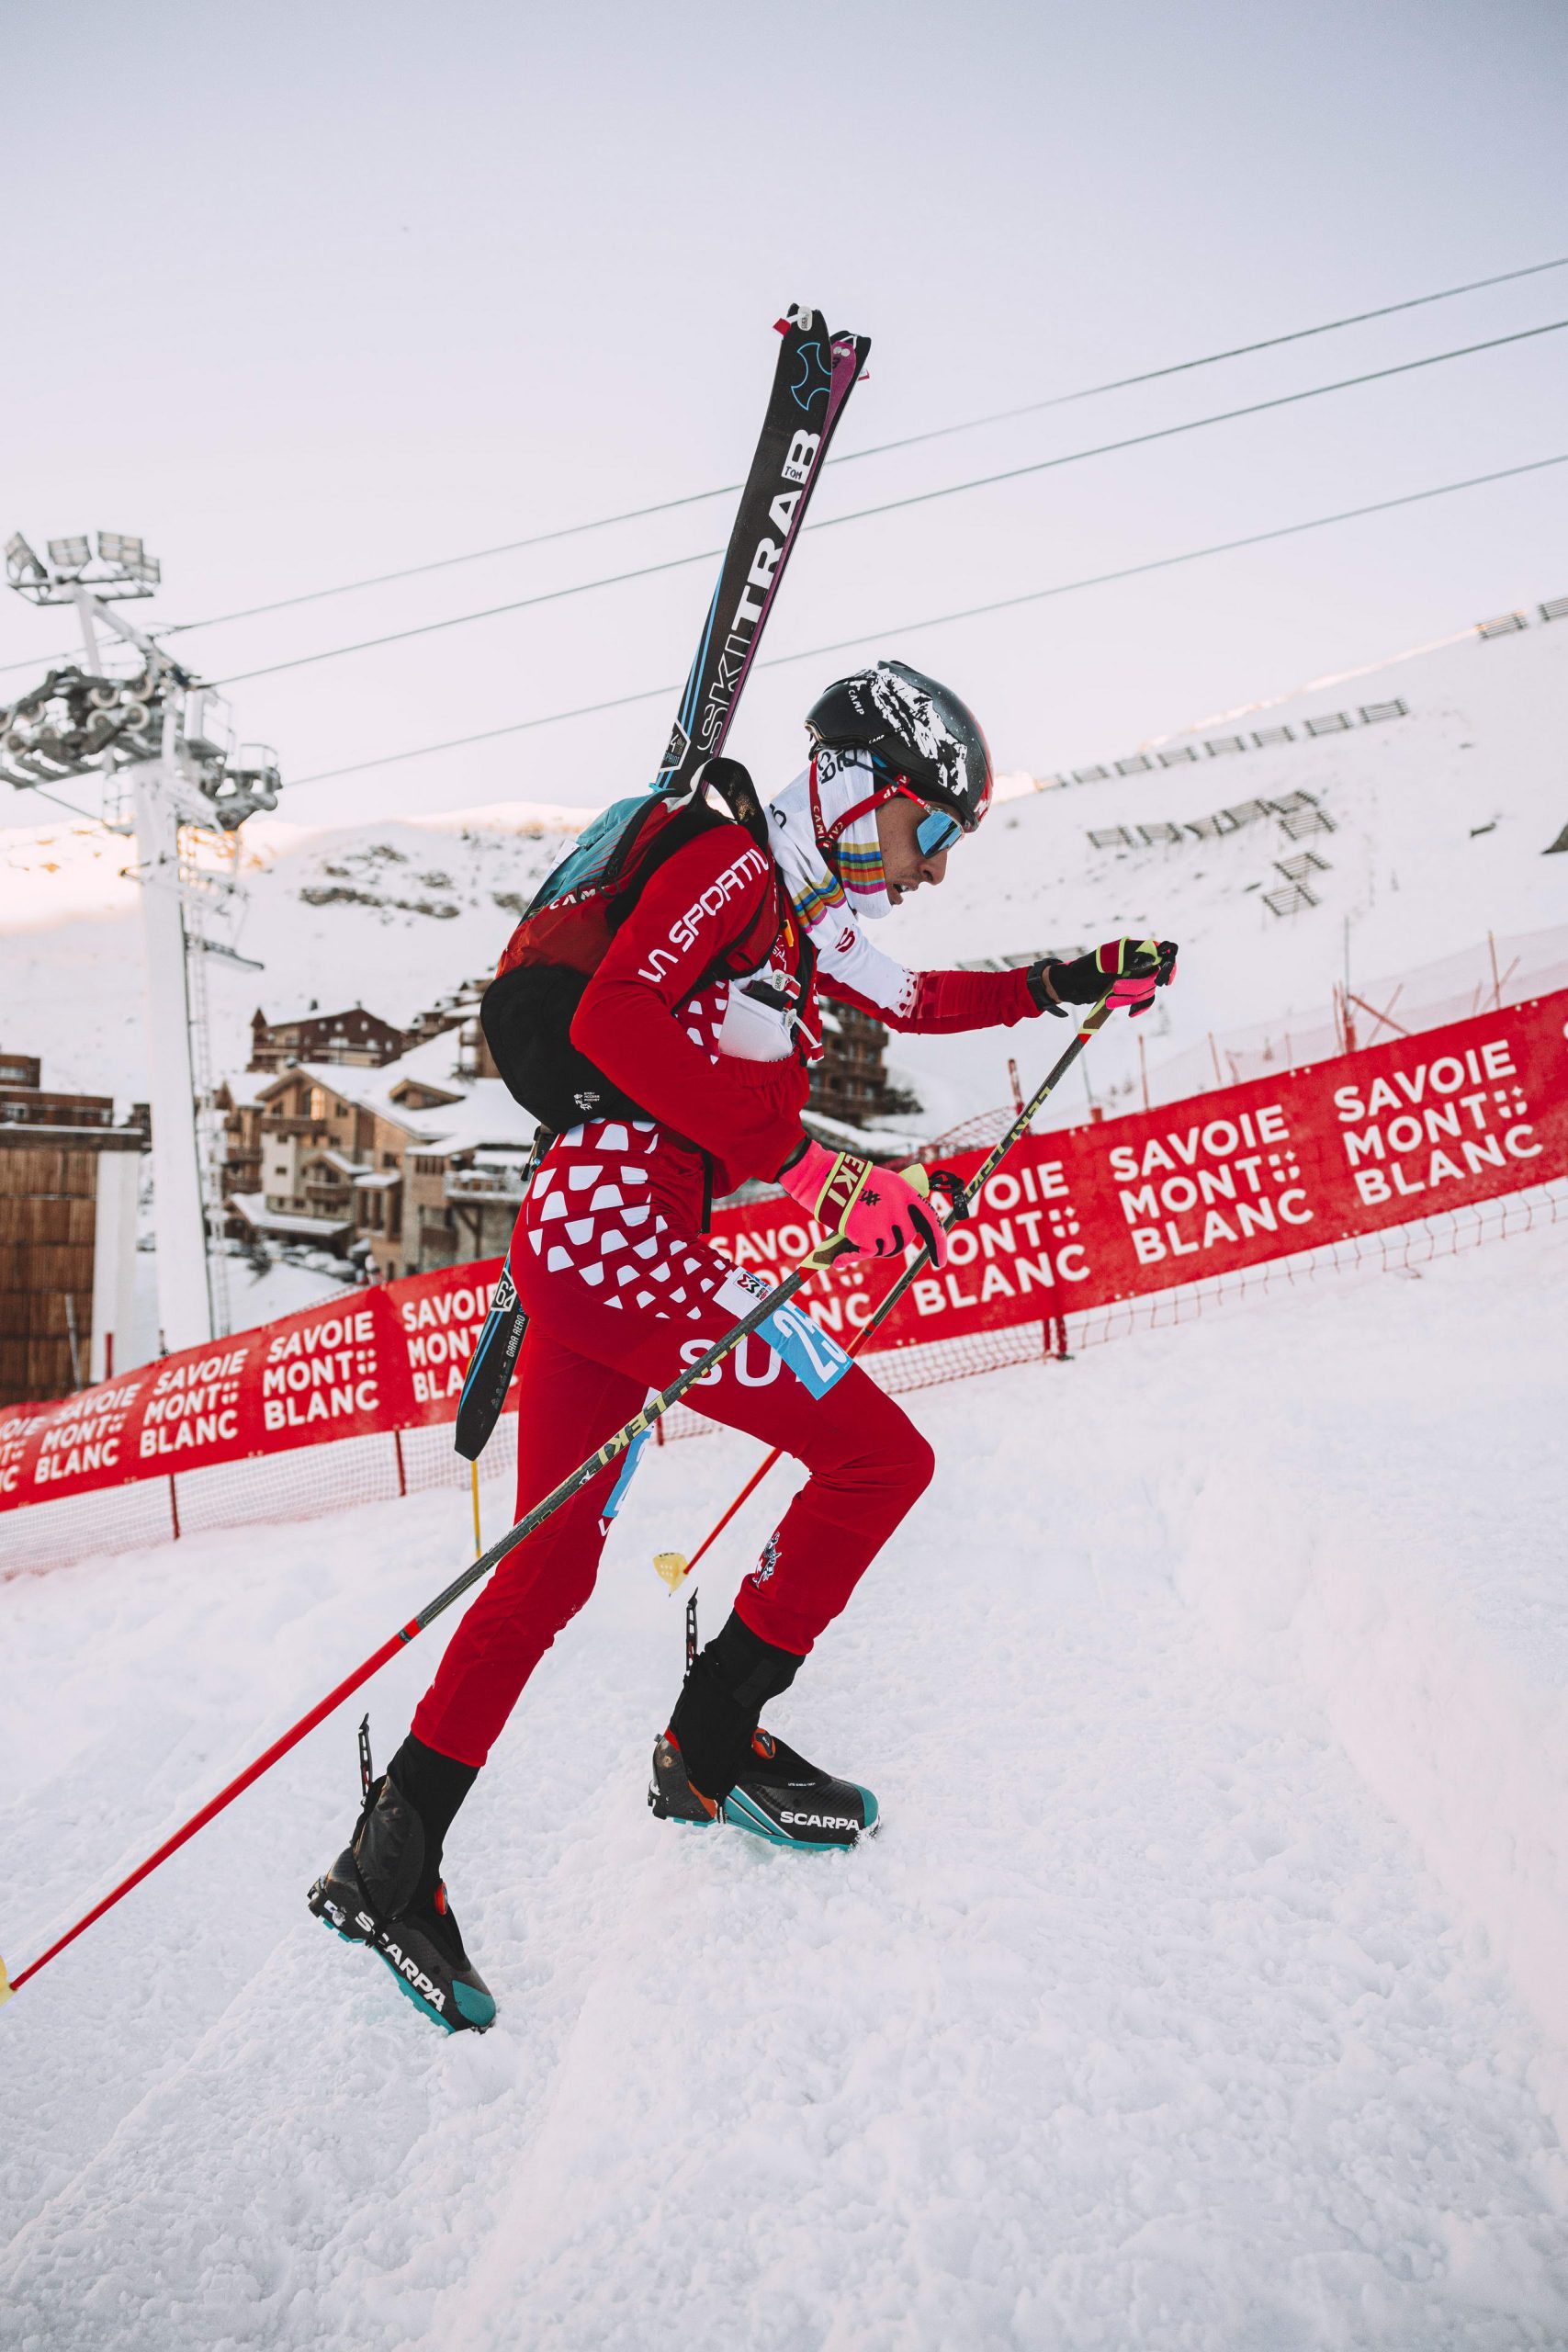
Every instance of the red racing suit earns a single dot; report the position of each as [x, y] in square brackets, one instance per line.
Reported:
[622, 1291]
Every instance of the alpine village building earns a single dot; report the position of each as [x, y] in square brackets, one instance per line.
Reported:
[404, 1148]
[69, 1172]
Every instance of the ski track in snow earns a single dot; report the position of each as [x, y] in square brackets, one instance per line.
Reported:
[1140, 2024]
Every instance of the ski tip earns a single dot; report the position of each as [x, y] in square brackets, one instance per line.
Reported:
[674, 1567]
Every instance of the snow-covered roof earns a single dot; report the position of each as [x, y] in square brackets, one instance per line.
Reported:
[371, 1090]
[487, 1117]
[253, 1207]
[295, 1020]
[378, 1179]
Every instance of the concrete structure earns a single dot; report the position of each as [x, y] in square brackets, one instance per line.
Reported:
[68, 1187]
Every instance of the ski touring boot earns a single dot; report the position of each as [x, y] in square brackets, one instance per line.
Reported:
[778, 1796]
[380, 1893]
[714, 1764]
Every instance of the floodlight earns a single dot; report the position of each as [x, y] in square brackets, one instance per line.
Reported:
[68, 557]
[21, 563]
[118, 547]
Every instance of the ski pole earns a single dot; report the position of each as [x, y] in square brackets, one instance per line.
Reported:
[657, 1406]
[674, 1566]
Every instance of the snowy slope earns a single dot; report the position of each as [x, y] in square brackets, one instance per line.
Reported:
[1143, 2025]
[1410, 876]
[394, 916]
[397, 915]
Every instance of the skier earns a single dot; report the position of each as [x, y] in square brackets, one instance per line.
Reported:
[622, 1292]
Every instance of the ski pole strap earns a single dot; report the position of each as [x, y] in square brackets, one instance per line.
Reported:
[494, 1359]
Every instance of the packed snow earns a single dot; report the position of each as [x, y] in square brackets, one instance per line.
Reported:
[1203, 1990]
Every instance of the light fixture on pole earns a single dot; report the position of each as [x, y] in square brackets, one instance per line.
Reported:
[122, 568]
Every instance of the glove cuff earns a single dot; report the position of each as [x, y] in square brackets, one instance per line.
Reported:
[1043, 1002]
[826, 1183]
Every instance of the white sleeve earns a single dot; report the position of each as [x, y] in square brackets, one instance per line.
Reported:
[845, 953]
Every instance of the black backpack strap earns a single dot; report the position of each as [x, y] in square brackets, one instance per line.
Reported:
[734, 786]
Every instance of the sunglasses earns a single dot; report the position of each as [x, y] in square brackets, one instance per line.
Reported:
[937, 830]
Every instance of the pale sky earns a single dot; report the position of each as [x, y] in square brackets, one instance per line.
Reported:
[303, 293]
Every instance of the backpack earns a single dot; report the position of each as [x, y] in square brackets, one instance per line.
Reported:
[526, 1012]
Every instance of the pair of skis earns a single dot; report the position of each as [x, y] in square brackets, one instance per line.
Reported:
[816, 372]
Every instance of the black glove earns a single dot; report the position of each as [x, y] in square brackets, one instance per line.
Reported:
[1130, 968]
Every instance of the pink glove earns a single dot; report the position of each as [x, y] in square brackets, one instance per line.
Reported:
[876, 1208]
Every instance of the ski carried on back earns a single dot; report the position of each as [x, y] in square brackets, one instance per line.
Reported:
[490, 1366]
[816, 373]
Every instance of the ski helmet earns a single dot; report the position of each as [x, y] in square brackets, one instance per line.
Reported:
[914, 729]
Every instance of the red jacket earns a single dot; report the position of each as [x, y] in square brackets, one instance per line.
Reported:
[745, 1115]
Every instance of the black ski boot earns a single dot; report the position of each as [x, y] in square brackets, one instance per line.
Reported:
[384, 1889]
[713, 1765]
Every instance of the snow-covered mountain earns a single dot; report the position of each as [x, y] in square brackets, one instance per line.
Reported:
[1440, 814]
[1440, 817]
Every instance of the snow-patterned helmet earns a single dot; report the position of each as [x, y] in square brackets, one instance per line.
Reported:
[915, 729]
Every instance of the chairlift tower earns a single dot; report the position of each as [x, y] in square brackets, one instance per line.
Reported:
[161, 745]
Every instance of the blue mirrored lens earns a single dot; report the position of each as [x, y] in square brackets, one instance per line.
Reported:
[937, 831]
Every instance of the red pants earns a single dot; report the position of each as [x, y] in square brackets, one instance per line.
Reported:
[621, 1295]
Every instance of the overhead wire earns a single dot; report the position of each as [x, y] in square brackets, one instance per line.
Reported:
[843, 457]
[894, 505]
[942, 620]
[878, 449]
[85, 814]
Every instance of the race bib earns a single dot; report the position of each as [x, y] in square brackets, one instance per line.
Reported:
[801, 1345]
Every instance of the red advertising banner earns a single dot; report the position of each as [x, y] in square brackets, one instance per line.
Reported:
[1087, 1216]
[340, 1369]
[1075, 1219]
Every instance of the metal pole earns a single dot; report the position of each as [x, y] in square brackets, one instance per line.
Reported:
[87, 613]
[184, 1311]
[185, 1308]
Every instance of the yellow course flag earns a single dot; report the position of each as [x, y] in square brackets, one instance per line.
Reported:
[673, 1566]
